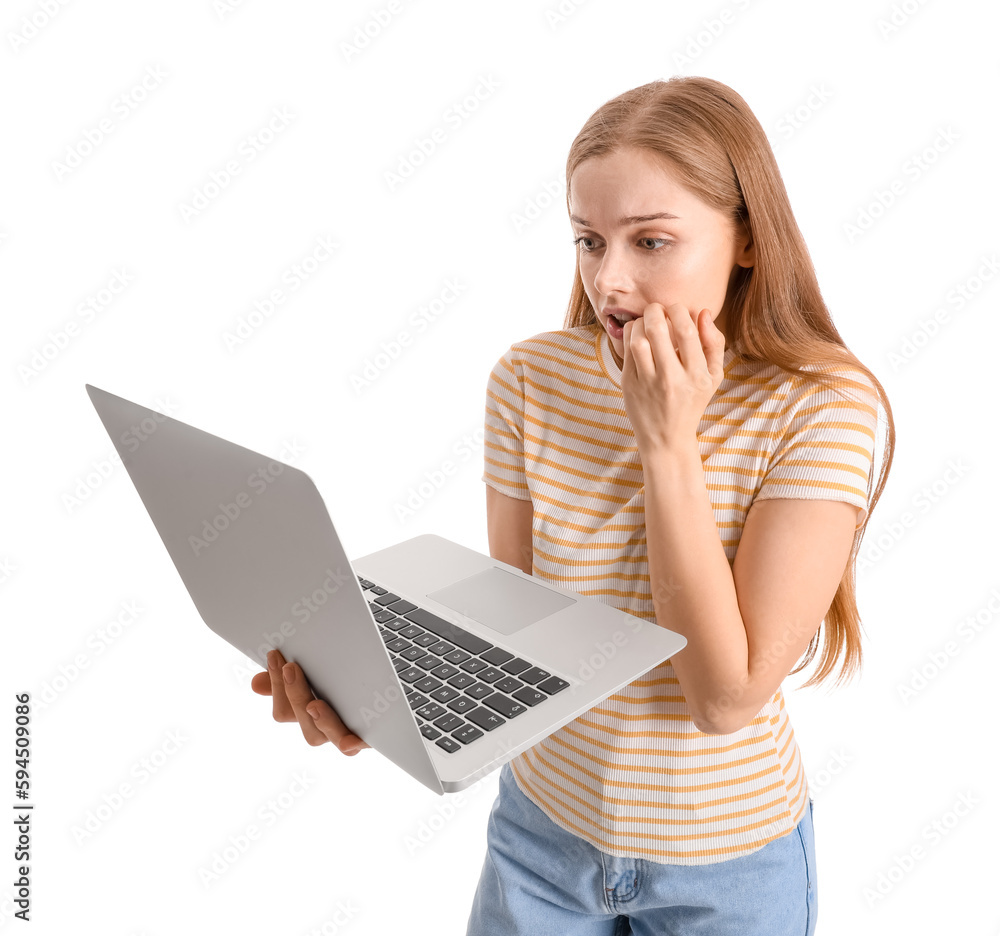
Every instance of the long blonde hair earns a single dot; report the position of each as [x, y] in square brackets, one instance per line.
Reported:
[715, 146]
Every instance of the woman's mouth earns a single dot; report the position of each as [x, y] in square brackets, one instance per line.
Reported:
[616, 323]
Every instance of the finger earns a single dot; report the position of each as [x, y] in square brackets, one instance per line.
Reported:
[628, 364]
[261, 683]
[299, 696]
[638, 356]
[281, 708]
[328, 722]
[687, 337]
[714, 342]
[658, 332]
[637, 344]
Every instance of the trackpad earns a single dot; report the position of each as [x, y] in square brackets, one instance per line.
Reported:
[501, 600]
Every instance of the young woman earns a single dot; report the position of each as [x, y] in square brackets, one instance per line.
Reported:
[696, 446]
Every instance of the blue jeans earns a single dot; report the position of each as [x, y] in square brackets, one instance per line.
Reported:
[541, 880]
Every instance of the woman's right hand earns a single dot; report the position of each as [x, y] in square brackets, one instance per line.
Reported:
[293, 700]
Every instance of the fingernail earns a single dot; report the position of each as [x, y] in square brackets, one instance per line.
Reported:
[313, 711]
[272, 660]
[288, 673]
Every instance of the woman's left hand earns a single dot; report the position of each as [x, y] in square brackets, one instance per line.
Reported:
[666, 390]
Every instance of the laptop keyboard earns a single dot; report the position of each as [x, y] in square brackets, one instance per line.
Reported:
[459, 686]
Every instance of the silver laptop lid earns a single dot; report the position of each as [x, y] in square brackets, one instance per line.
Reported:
[254, 544]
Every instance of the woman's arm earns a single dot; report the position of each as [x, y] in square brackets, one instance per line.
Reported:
[748, 625]
[508, 522]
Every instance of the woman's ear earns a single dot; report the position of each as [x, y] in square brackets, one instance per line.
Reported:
[745, 252]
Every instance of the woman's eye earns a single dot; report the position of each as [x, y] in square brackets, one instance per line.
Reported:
[588, 244]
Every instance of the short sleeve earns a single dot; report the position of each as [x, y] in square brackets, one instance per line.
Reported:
[827, 448]
[503, 441]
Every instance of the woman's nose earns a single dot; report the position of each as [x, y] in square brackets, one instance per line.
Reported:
[613, 275]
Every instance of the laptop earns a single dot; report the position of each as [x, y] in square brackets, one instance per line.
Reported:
[446, 661]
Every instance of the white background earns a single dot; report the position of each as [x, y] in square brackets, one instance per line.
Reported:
[849, 104]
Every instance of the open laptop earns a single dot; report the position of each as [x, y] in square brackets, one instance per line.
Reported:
[447, 661]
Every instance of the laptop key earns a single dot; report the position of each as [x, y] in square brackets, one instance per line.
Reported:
[471, 666]
[445, 671]
[456, 656]
[462, 705]
[428, 661]
[425, 640]
[385, 597]
[506, 707]
[461, 681]
[416, 699]
[399, 665]
[365, 583]
[553, 685]
[396, 624]
[430, 733]
[427, 683]
[496, 656]
[508, 684]
[400, 607]
[515, 666]
[410, 675]
[441, 648]
[379, 590]
[398, 645]
[489, 674]
[485, 718]
[533, 675]
[410, 631]
[479, 691]
[449, 722]
[414, 653]
[529, 696]
[431, 711]
[467, 734]
[447, 744]
[445, 694]
[384, 617]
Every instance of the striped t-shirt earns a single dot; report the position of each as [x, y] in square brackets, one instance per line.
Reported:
[633, 776]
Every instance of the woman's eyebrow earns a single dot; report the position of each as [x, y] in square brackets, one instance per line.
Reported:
[632, 219]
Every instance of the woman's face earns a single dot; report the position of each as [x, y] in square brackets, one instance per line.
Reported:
[642, 237]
